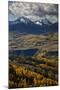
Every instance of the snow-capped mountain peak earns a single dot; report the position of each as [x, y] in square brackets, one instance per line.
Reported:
[24, 20]
[46, 21]
[43, 22]
[28, 21]
[20, 20]
[38, 23]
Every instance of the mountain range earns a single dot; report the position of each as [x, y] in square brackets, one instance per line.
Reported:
[24, 25]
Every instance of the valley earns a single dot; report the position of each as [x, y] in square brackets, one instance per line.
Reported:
[33, 60]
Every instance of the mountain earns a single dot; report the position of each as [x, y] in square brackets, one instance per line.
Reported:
[46, 22]
[24, 25]
[38, 23]
[21, 20]
[43, 22]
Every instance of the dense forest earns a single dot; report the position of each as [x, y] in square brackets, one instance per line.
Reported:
[43, 72]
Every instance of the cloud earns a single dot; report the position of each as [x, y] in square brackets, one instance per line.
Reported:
[33, 11]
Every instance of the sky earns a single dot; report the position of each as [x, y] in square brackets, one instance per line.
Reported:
[33, 11]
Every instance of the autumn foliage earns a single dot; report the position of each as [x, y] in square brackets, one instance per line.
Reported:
[19, 77]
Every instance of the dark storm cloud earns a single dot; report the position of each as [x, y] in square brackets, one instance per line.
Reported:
[34, 11]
